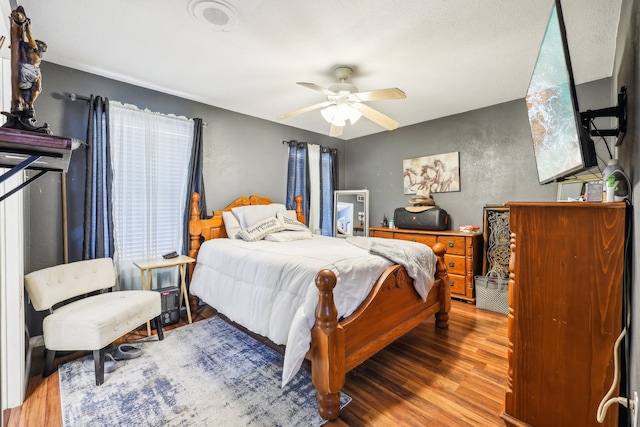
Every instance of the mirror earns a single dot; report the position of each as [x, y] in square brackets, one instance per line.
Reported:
[351, 213]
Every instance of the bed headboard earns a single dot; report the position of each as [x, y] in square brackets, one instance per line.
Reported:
[213, 228]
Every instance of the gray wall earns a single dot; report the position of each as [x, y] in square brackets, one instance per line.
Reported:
[497, 164]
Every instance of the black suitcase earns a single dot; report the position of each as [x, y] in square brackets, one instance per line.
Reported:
[434, 218]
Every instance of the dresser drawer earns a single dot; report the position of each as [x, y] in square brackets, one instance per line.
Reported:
[455, 264]
[455, 245]
[457, 284]
[383, 234]
[425, 240]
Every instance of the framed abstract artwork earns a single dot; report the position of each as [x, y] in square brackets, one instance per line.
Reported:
[439, 173]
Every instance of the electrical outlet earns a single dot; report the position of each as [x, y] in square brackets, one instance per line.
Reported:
[634, 410]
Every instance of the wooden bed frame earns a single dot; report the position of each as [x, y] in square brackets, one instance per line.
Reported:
[392, 309]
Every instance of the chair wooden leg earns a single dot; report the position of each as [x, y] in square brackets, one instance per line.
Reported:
[98, 363]
[157, 323]
[50, 355]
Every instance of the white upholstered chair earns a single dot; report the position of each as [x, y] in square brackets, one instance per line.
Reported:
[90, 322]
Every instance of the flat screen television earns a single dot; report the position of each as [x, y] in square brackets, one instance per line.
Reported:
[561, 144]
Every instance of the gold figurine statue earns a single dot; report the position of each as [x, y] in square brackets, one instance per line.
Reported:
[26, 78]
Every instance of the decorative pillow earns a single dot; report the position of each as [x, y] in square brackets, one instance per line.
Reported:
[289, 236]
[261, 229]
[249, 215]
[291, 214]
[290, 224]
[231, 224]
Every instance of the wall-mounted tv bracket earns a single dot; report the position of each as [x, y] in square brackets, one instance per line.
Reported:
[619, 111]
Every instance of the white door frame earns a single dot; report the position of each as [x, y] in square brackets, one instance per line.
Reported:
[12, 328]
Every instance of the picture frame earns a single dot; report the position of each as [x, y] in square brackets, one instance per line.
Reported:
[439, 173]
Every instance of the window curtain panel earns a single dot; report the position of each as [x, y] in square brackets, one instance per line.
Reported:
[328, 183]
[297, 177]
[314, 187]
[98, 225]
[151, 153]
[196, 181]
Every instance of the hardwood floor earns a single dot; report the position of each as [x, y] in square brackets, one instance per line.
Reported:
[429, 377]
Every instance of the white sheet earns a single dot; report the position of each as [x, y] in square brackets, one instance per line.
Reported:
[268, 287]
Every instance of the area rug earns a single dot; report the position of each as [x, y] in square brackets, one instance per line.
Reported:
[205, 374]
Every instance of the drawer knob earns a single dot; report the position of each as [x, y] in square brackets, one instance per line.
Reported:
[451, 243]
[451, 263]
[452, 283]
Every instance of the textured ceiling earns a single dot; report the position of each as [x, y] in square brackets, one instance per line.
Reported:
[448, 56]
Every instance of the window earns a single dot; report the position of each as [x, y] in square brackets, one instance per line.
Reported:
[312, 174]
[150, 154]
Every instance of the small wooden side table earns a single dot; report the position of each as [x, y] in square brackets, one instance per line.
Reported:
[146, 273]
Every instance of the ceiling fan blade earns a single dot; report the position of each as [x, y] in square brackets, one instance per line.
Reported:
[317, 88]
[335, 130]
[304, 110]
[377, 117]
[381, 94]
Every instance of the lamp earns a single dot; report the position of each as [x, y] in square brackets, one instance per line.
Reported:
[338, 114]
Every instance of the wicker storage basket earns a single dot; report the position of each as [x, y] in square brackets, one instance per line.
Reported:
[492, 293]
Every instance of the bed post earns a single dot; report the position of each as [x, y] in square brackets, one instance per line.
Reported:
[194, 244]
[442, 316]
[299, 211]
[327, 354]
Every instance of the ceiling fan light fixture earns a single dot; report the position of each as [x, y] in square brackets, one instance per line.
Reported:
[329, 113]
[354, 115]
[337, 115]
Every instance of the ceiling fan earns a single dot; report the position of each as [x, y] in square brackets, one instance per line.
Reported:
[344, 102]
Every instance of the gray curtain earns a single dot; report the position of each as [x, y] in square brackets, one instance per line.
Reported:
[98, 225]
[328, 183]
[196, 181]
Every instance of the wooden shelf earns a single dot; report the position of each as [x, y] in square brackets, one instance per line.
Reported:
[21, 150]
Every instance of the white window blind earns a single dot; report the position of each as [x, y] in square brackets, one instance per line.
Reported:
[150, 154]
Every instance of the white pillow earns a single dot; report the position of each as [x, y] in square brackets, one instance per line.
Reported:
[249, 215]
[289, 236]
[261, 229]
[231, 224]
[291, 214]
[290, 224]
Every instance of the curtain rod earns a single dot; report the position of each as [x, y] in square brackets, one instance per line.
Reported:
[323, 148]
[76, 97]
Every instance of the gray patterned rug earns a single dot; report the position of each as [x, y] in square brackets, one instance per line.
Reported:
[204, 374]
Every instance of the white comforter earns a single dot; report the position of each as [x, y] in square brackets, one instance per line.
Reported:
[268, 287]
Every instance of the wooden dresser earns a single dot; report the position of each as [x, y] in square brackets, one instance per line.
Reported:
[463, 258]
[565, 302]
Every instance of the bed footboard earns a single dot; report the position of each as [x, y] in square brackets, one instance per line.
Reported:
[392, 309]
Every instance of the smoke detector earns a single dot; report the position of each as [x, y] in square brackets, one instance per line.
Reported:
[217, 15]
